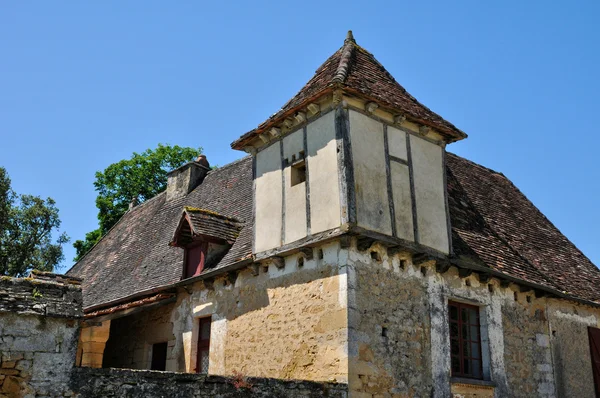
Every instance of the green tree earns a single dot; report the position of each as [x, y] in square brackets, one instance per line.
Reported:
[141, 177]
[26, 226]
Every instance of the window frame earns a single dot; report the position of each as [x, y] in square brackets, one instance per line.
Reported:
[203, 247]
[461, 340]
[203, 345]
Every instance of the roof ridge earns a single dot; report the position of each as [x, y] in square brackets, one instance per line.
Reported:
[341, 73]
[235, 162]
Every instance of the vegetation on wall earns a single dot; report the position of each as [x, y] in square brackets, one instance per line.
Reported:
[26, 226]
[138, 178]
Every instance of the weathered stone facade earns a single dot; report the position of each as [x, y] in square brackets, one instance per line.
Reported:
[374, 319]
[288, 323]
[39, 327]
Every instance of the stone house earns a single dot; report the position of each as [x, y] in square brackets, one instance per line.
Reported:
[349, 246]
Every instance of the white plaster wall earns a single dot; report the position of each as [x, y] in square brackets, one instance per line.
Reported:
[397, 143]
[428, 172]
[268, 198]
[323, 174]
[295, 196]
[402, 200]
[368, 154]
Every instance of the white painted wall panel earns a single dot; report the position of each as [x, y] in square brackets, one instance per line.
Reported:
[295, 196]
[323, 174]
[268, 198]
[428, 172]
[397, 143]
[368, 155]
[402, 201]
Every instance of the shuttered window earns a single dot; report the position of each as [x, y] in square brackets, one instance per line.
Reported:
[194, 260]
[465, 341]
[202, 357]
[594, 334]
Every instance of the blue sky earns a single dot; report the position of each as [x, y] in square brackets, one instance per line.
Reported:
[85, 84]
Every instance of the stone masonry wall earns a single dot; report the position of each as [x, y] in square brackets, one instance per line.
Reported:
[527, 347]
[130, 342]
[389, 338]
[287, 321]
[39, 325]
[118, 383]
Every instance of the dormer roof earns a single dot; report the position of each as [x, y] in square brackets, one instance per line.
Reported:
[196, 223]
[356, 71]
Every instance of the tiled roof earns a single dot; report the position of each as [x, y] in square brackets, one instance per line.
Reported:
[508, 227]
[355, 70]
[205, 223]
[493, 224]
[135, 255]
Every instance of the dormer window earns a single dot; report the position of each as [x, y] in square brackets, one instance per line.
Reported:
[206, 237]
[195, 256]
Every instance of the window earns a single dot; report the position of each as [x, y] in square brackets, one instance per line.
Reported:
[159, 356]
[298, 173]
[202, 357]
[465, 341]
[194, 260]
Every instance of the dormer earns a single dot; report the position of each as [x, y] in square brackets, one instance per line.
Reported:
[205, 236]
[351, 152]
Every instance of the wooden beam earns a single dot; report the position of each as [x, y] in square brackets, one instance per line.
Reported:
[254, 269]
[364, 243]
[421, 258]
[307, 252]
[442, 266]
[504, 283]
[464, 272]
[484, 278]
[209, 283]
[345, 242]
[524, 289]
[279, 262]
[232, 277]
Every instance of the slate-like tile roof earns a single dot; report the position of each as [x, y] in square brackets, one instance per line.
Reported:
[135, 255]
[203, 222]
[493, 224]
[357, 71]
[508, 227]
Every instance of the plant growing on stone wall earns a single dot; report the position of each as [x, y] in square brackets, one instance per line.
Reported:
[240, 381]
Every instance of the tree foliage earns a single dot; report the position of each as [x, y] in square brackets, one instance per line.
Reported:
[141, 177]
[26, 226]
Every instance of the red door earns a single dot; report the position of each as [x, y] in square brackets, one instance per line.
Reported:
[202, 358]
[594, 334]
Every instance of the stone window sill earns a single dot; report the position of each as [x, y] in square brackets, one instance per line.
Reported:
[473, 382]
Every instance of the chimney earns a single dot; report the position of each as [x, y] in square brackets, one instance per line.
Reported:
[184, 179]
[134, 202]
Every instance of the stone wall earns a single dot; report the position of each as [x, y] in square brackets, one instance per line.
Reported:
[389, 337]
[285, 321]
[90, 382]
[39, 325]
[131, 338]
[399, 334]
